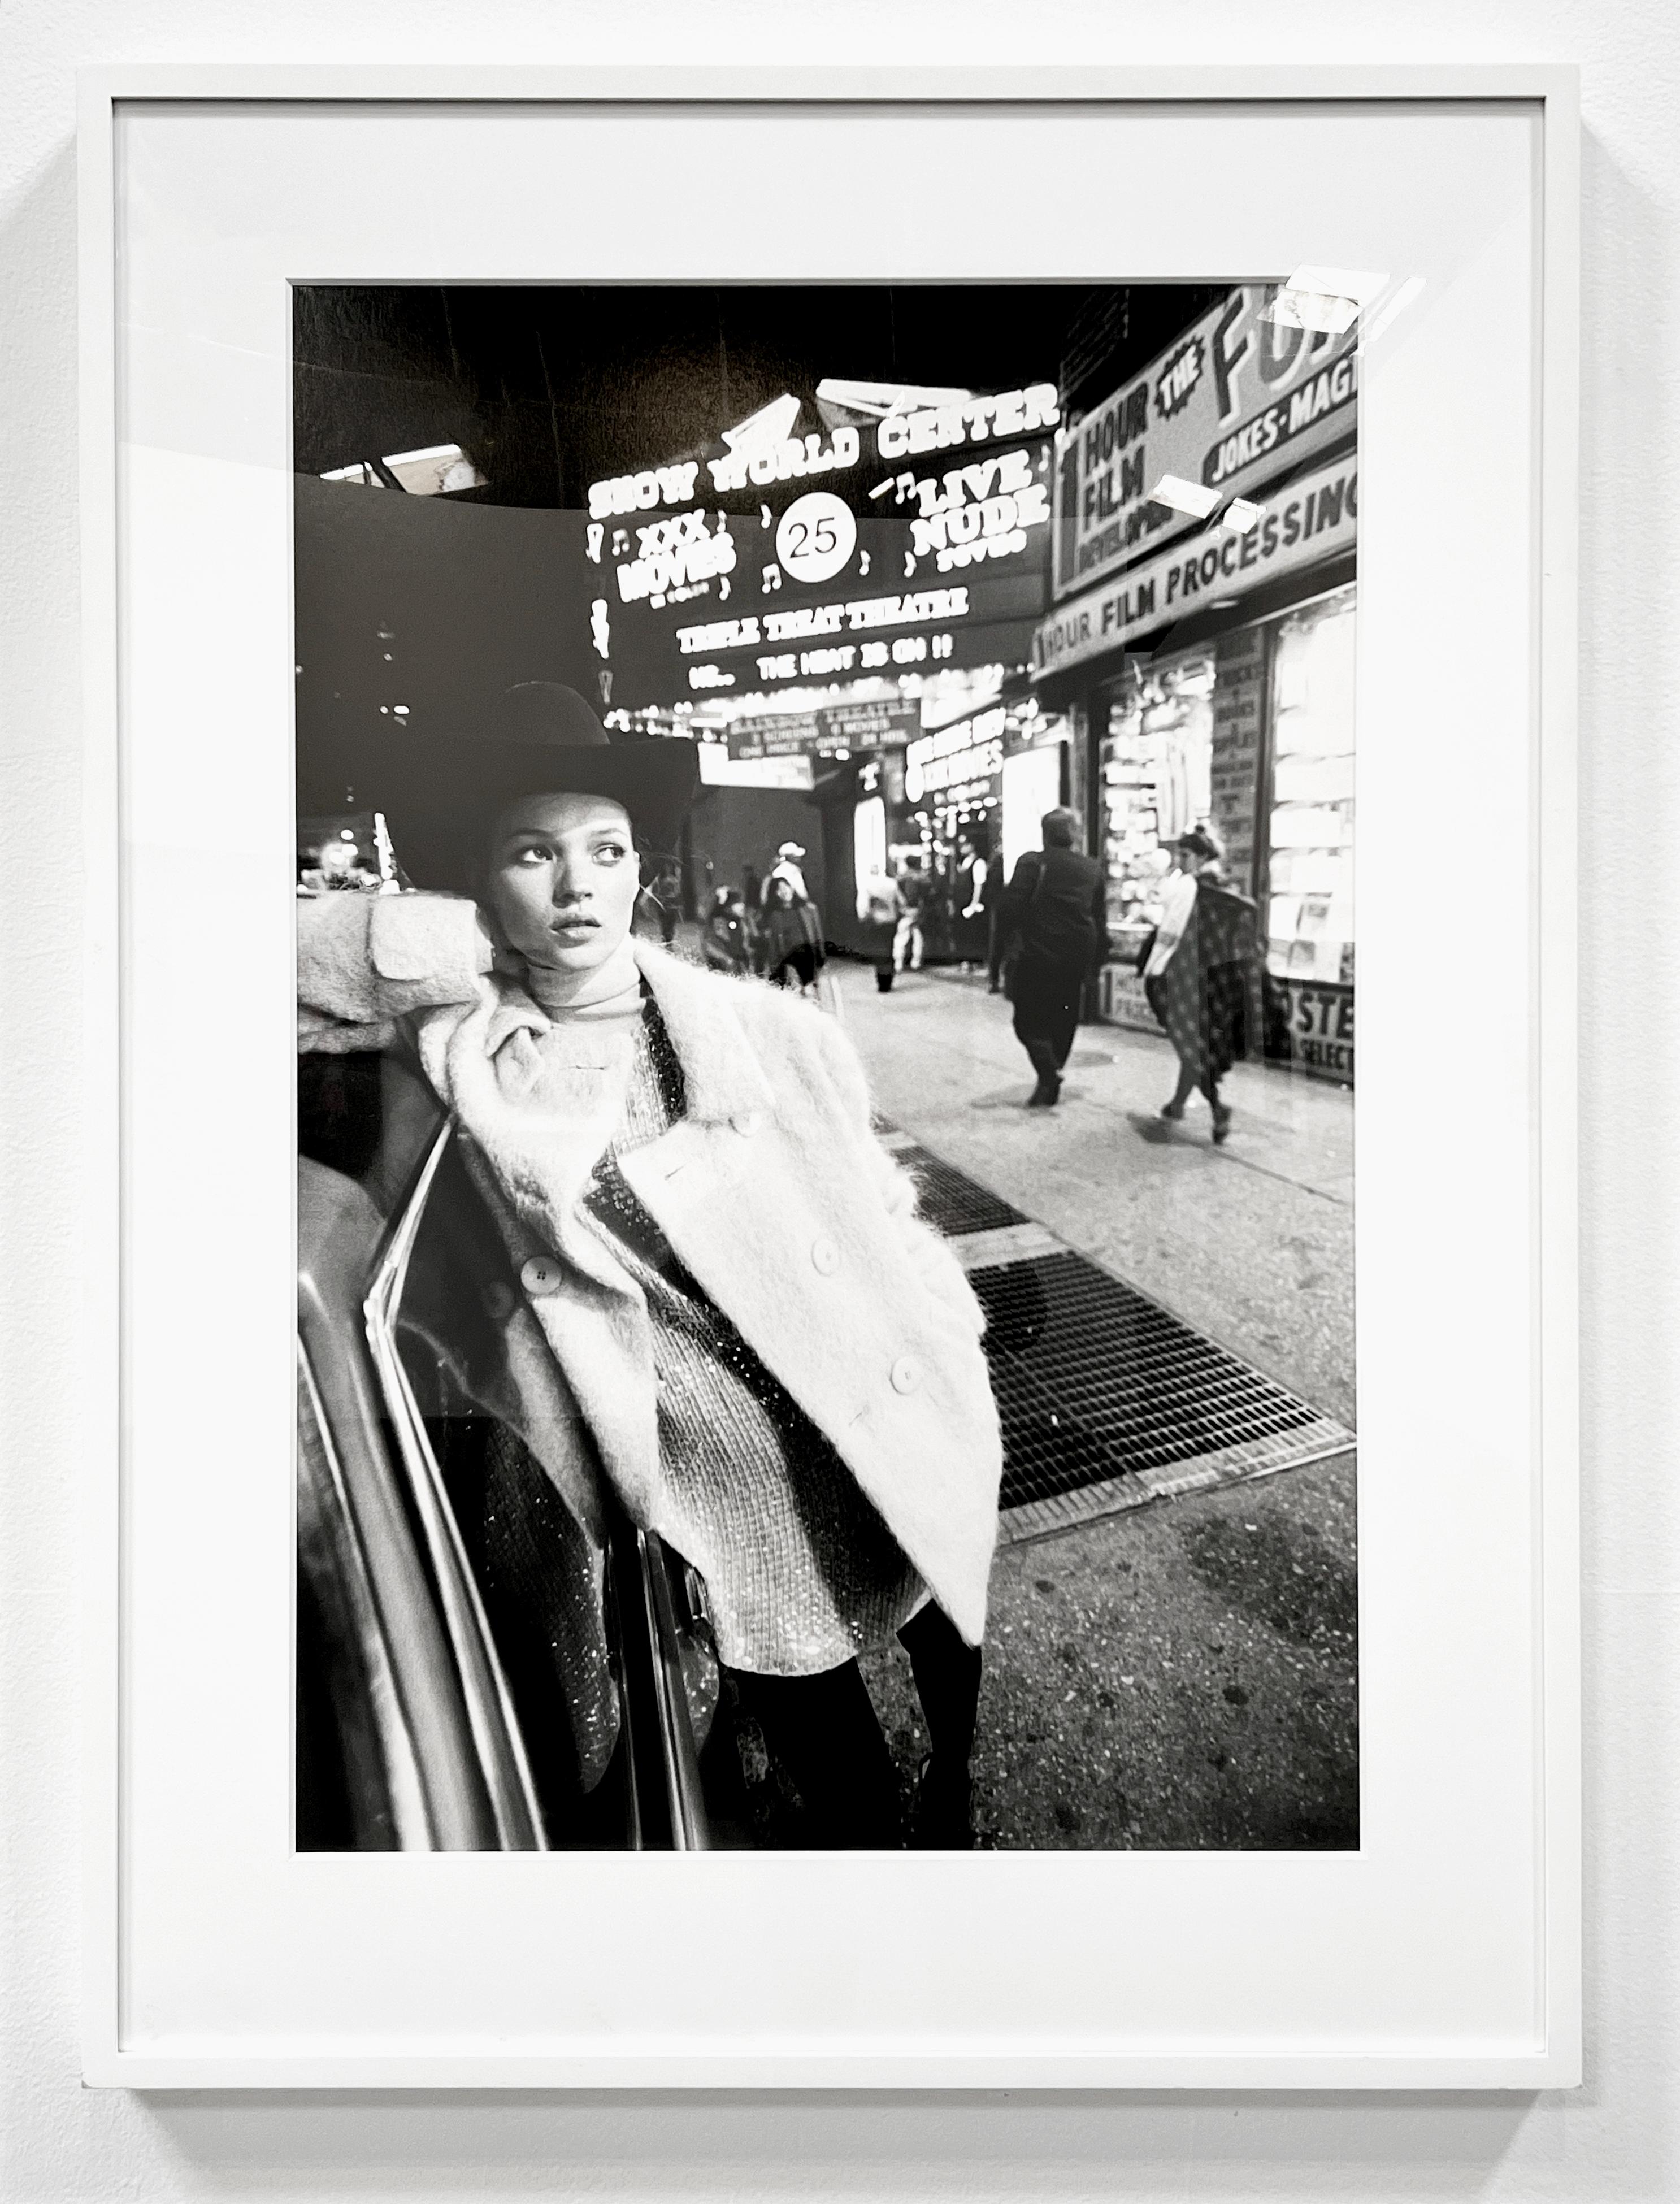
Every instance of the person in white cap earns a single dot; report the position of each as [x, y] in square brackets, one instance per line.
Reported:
[786, 867]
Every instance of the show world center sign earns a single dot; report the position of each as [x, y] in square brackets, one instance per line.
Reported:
[1236, 400]
[1310, 519]
[826, 555]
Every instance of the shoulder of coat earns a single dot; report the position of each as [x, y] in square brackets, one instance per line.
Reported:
[792, 1035]
[775, 1012]
[769, 1015]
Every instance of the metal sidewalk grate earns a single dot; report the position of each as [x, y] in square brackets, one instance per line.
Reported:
[1107, 1399]
[951, 1201]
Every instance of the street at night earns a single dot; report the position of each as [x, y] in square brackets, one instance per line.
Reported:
[967, 646]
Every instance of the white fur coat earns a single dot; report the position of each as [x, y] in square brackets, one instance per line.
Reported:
[772, 1190]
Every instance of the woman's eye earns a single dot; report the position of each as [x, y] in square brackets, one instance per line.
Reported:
[611, 853]
[533, 853]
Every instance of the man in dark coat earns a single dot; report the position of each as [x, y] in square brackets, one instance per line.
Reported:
[1053, 928]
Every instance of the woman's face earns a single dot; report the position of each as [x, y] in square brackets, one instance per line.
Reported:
[781, 894]
[563, 878]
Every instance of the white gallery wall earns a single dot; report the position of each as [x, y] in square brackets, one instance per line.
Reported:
[1614, 2139]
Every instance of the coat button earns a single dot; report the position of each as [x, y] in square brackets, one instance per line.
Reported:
[748, 1122]
[540, 1275]
[906, 1374]
[825, 1258]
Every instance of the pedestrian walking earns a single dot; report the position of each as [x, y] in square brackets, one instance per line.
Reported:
[880, 907]
[908, 941]
[938, 920]
[793, 937]
[787, 867]
[993, 896]
[724, 942]
[635, 1125]
[1054, 926]
[1198, 969]
[973, 926]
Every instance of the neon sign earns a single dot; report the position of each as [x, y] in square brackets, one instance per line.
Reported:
[640, 493]
[674, 554]
[971, 750]
[972, 421]
[789, 461]
[921, 607]
[981, 510]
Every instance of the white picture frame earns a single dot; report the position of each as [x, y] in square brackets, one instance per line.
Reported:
[1447, 1952]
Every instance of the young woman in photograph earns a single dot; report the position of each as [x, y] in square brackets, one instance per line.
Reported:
[731, 1316]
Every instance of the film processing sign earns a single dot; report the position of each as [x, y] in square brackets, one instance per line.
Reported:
[1309, 521]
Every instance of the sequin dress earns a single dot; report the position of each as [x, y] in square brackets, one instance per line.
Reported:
[800, 1571]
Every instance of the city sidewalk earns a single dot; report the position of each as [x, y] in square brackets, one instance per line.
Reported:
[1180, 1676]
[1251, 1243]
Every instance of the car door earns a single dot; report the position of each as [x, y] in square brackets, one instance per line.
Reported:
[474, 1673]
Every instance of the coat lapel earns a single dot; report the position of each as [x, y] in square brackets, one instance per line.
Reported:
[720, 1067]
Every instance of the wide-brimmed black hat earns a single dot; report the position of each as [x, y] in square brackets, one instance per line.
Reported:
[441, 799]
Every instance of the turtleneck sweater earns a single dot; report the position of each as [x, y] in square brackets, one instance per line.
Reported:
[604, 992]
[576, 1070]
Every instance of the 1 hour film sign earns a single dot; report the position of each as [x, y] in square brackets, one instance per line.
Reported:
[1236, 400]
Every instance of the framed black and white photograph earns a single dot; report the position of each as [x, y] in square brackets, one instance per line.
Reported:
[759, 736]
[680, 1480]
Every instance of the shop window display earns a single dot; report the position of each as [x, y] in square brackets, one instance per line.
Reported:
[869, 848]
[1157, 782]
[1309, 905]
[1031, 786]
